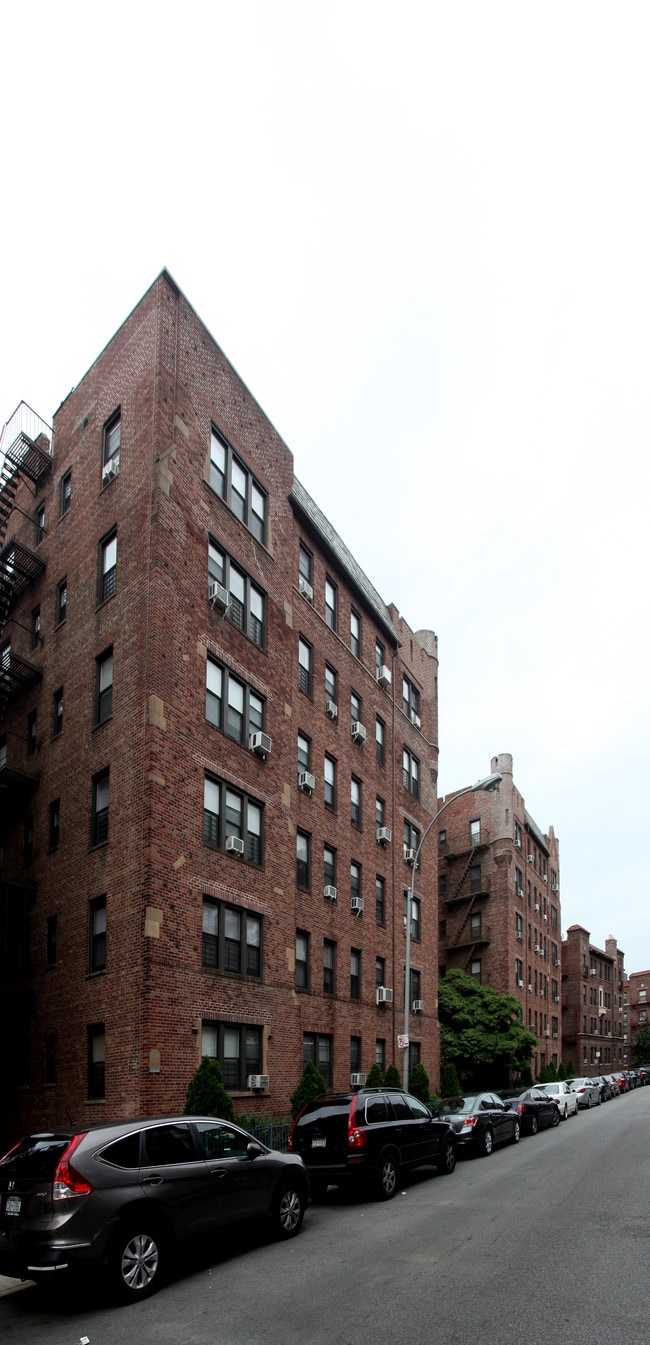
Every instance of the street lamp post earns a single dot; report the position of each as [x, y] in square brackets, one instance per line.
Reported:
[490, 782]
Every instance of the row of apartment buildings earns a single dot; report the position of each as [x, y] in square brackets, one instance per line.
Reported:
[218, 755]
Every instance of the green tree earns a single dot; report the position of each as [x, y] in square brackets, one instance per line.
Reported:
[312, 1085]
[641, 1045]
[206, 1093]
[547, 1074]
[393, 1077]
[375, 1077]
[481, 1031]
[449, 1085]
[562, 1074]
[570, 1070]
[419, 1083]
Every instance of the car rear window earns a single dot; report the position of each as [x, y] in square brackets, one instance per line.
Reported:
[322, 1110]
[376, 1110]
[36, 1156]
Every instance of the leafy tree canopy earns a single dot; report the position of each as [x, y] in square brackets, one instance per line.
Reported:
[641, 1046]
[481, 1031]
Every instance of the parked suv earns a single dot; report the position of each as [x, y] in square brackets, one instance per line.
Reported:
[368, 1136]
[122, 1195]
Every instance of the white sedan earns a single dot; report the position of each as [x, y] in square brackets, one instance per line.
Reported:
[566, 1099]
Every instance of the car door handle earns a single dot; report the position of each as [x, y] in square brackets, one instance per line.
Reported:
[151, 1181]
[217, 1172]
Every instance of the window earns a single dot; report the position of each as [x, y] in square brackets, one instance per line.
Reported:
[442, 839]
[475, 925]
[553, 917]
[355, 707]
[107, 567]
[237, 1047]
[380, 899]
[331, 684]
[302, 960]
[519, 928]
[329, 967]
[380, 741]
[49, 1070]
[411, 773]
[355, 1055]
[442, 929]
[226, 812]
[303, 846]
[231, 939]
[31, 733]
[355, 879]
[97, 934]
[111, 450]
[304, 753]
[50, 941]
[235, 484]
[35, 629]
[519, 882]
[57, 711]
[54, 819]
[475, 968]
[414, 1054]
[355, 633]
[96, 1060]
[331, 603]
[415, 917]
[380, 971]
[231, 705]
[61, 601]
[442, 884]
[40, 524]
[329, 865]
[380, 656]
[101, 799]
[355, 802]
[411, 701]
[380, 1052]
[519, 972]
[330, 781]
[306, 565]
[355, 973]
[246, 602]
[318, 1048]
[104, 686]
[380, 812]
[304, 666]
[66, 492]
[415, 990]
[411, 837]
[518, 835]
[475, 831]
[475, 878]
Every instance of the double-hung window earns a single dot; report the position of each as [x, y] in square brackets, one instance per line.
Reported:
[411, 837]
[411, 701]
[104, 686]
[96, 1060]
[355, 801]
[57, 712]
[226, 813]
[331, 684]
[111, 448]
[231, 939]
[246, 602]
[302, 960]
[329, 967]
[66, 492]
[355, 973]
[101, 801]
[331, 603]
[380, 741]
[231, 480]
[415, 916]
[317, 1047]
[54, 824]
[306, 571]
[107, 566]
[237, 1047]
[61, 601]
[304, 666]
[355, 633]
[230, 704]
[303, 857]
[355, 879]
[329, 776]
[303, 761]
[97, 934]
[329, 866]
[380, 900]
[411, 773]
[35, 628]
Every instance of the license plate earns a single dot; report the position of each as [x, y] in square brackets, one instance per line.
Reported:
[318, 1142]
[12, 1205]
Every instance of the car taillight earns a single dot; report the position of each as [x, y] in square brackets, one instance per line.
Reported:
[470, 1120]
[520, 1108]
[67, 1181]
[356, 1138]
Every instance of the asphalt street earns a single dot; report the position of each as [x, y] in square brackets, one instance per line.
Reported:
[547, 1239]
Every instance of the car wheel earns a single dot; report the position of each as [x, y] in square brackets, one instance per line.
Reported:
[556, 1117]
[591, 1101]
[288, 1209]
[565, 1113]
[486, 1142]
[447, 1160]
[516, 1134]
[533, 1125]
[136, 1262]
[386, 1184]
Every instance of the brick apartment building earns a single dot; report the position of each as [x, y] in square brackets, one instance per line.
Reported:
[592, 1004]
[636, 997]
[499, 904]
[217, 745]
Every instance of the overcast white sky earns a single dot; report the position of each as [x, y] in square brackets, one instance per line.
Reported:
[421, 233]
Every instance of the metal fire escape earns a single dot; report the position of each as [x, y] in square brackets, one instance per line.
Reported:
[25, 454]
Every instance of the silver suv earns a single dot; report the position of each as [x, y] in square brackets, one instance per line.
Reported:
[122, 1195]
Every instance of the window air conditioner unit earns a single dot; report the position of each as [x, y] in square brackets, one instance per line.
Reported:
[356, 905]
[418, 1006]
[357, 1080]
[384, 994]
[544, 876]
[383, 676]
[556, 961]
[218, 596]
[305, 588]
[234, 845]
[536, 905]
[358, 731]
[306, 782]
[592, 971]
[556, 999]
[517, 845]
[260, 743]
[546, 917]
[519, 937]
[530, 989]
[531, 859]
[555, 1036]
[555, 887]
[520, 985]
[415, 719]
[546, 1032]
[330, 892]
[331, 709]
[110, 471]
[410, 856]
[538, 947]
[257, 1081]
[384, 835]
[519, 891]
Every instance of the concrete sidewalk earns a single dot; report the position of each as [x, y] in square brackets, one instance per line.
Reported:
[8, 1286]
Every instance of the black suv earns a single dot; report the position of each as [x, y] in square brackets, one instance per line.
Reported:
[122, 1195]
[368, 1136]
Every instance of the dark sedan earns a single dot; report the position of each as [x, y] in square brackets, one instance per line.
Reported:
[480, 1121]
[535, 1110]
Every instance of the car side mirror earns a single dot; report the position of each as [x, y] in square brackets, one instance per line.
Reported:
[253, 1150]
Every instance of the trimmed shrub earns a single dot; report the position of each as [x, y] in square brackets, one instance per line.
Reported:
[312, 1085]
[393, 1077]
[419, 1083]
[206, 1093]
[375, 1076]
[449, 1084]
